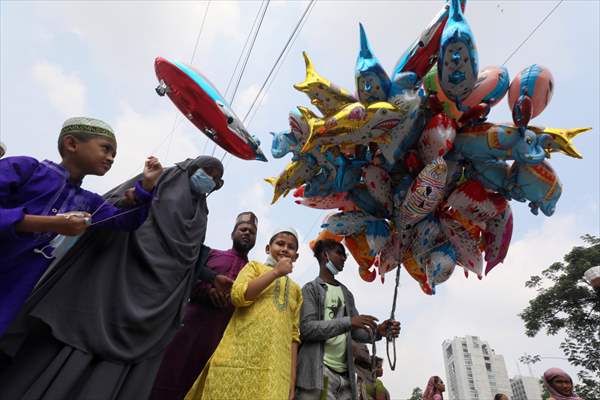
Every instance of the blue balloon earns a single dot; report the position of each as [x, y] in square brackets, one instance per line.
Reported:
[372, 82]
[457, 60]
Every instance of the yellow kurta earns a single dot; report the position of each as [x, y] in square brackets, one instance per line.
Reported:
[253, 360]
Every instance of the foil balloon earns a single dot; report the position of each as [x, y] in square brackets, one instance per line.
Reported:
[378, 235]
[437, 138]
[372, 82]
[424, 195]
[323, 94]
[457, 60]
[561, 139]
[475, 203]
[332, 201]
[359, 248]
[363, 199]
[492, 174]
[431, 84]
[440, 265]
[347, 223]
[355, 124]
[206, 108]
[501, 142]
[291, 141]
[295, 174]
[464, 237]
[379, 185]
[538, 184]
[422, 54]
[407, 98]
[496, 238]
[491, 87]
[417, 272]
[535, 82]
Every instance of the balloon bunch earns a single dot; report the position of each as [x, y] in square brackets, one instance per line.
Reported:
[420, 178]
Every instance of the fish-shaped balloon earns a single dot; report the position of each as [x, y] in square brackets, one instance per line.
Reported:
[295, 174]
[457, 60]
[332, 201]
[354, 124]
[440, 265]
[417, 272]
[475, 203]
[379, 185]
[496, 238]
[378, 235]
[422, 54]
[359, 249]
[323, 94]
[372, 82]
[437, 138]
[347, 223]
[464, 237]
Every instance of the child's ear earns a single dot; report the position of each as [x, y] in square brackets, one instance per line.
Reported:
[268, 249]
[70, 143]
[295, 257]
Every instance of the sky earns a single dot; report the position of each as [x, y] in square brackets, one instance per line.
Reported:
[61, 59]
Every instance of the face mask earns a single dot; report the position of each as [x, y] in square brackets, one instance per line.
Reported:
[201, 182]
[270, 261]
[330, 267]
[57, 247]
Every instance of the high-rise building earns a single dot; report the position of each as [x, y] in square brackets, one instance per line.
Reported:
[526, 388]
[473, 370]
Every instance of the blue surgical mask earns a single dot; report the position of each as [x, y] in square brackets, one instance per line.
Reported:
[329, 265]
[201, 182]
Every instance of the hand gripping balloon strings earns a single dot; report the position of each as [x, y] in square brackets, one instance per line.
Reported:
[389, 337]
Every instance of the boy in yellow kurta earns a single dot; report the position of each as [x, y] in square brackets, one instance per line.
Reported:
[256, 359]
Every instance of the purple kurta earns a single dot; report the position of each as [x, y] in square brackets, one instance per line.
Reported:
[203, 327]
[28, 186]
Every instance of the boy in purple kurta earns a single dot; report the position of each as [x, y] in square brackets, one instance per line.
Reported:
[37, 201]
[206, 315]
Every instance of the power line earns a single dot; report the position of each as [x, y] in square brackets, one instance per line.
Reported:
[279, 58]
[237, 64]
[278, 62]
[237, 85]
[200, 32]
[533, 31]
[264, 94]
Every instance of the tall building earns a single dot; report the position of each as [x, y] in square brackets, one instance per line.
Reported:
[473, 370]
[526, 388]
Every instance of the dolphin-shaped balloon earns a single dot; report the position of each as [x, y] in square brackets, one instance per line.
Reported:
[372, 82]
[323, 94]
[457, 60]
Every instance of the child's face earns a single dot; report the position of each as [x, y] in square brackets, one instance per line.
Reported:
[94, 156]
[283, 245]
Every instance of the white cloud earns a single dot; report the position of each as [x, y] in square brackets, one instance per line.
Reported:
[66, 91]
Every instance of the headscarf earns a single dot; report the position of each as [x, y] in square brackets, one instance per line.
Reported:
[430, 390]
[552, 373]
[87, 126]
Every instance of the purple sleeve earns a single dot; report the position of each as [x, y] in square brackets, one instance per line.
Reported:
[14, 172]
[107, 216]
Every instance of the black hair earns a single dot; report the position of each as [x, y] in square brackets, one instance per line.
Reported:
[325, 245]
[498, 396]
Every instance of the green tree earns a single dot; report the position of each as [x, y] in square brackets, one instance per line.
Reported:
[417, 394]
[566, 303]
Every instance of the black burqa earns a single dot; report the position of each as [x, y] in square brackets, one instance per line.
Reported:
[98, 324]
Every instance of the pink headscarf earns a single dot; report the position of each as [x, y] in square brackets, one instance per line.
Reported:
[430, 390]
[552, 373]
